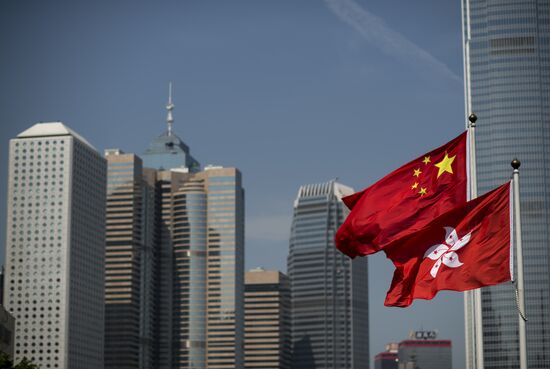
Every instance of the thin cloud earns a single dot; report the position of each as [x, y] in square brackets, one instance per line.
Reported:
[375, 31]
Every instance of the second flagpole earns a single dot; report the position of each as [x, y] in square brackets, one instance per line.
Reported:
[476, 303]
[519, 260]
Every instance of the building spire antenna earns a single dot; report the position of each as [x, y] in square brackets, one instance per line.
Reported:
[170, 107]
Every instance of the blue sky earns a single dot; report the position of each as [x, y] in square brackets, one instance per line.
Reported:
[290, 92]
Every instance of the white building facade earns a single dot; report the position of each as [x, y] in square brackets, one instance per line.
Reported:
[55, 247]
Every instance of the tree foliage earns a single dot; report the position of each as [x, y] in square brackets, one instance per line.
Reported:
[7, 363]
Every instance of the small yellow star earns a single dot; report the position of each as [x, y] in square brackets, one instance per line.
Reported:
[426, 160]
[423, 191]
[415, 185]
[445, 165]
[417, 172]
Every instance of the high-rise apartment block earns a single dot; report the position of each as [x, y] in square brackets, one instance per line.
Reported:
[329, 291]
[54, 282]
[267, 320]
[130, 264]
[506, 61]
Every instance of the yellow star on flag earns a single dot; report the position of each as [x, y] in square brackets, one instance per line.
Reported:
[423, 191]
[426, 160]
[445, 165]
[415, 185]
[417, 172]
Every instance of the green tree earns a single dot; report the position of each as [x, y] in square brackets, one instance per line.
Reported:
[25, 364]
[7, 363]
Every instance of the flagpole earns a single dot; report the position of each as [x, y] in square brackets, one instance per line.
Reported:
[519, 259]
[478, 314]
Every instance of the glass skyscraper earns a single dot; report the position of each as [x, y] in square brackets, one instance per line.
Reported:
[329, 291]
[200, 281]
[507, 69]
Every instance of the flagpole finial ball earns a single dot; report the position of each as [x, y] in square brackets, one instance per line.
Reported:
[472, 118]
[515, 164]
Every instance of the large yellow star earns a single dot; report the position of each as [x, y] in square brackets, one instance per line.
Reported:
[423, 191]
[445, 165]
[417, 172]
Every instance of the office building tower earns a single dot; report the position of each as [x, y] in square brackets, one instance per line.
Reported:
[267, 320]
[329, 291]
[168, 151]
[201, 257]
[56, 247]
[387, 359]
[507, 67]
[130, 264]
[425, 354]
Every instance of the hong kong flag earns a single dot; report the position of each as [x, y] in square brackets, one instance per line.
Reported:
[466, 248]
[405, 200]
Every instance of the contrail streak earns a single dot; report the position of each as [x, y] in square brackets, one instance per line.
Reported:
[375, 31]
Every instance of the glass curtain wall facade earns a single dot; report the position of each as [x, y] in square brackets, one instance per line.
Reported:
[54, 283]
[507, 68]
[202, 269]
[329, 291]
[225, 263]
[130, 265]
[200, 225]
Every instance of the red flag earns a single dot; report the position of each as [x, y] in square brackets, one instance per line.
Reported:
[466, 248]
[405, 200]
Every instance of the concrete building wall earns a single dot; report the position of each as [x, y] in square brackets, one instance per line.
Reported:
[55, 247]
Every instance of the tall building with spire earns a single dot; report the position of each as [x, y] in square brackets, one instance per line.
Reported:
[199, 258]
[329, 291]
[55, 247]
[506, 49]
[168, 151]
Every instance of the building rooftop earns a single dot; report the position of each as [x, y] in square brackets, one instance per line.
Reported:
[52, 129]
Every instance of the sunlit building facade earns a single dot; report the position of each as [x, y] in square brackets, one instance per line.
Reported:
[267, 320]
[329, 291]
[507, 70]
[54, 283]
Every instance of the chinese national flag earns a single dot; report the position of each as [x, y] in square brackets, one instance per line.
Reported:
[405, 200]
[466, 248]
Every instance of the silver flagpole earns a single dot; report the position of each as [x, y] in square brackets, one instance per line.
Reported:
[519, 259]
[478, 315]
[474, 353]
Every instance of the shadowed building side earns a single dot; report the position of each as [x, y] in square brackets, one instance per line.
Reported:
[130, 264]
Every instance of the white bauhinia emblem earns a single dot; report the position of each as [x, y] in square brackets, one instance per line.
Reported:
[445, 253]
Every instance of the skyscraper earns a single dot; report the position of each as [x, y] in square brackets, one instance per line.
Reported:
[329, 291]
[267, 320]
[506, 49]
[55, 247]
[130, 265]
[201, 257]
